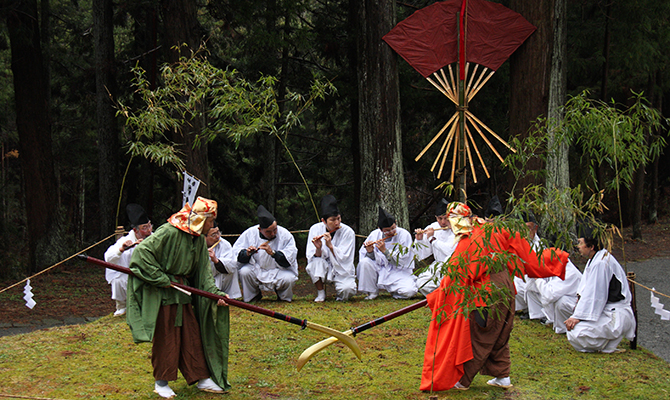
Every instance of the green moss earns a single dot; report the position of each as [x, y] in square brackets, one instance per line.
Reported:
[99, 360]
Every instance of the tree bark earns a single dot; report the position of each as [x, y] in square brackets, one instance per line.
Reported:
[34, 126]
[558, 169]
[530, 71]
[382, 180]
[181, 26]
[107, 132]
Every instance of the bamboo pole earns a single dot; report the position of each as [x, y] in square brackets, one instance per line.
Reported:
[448, 141]
[441, 89]
[435, 138]
[453, 162]
[451, 75]
[444, 78]
[481, 75]
[482, 85]
[472, 77]
[469, 158]
[490, 131]
[446, 87]
[477, 150]
[487, 142]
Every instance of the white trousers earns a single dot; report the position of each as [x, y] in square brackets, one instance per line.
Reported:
[119, 286]
[345, 285]
[429, 280]
[520, 298]
[400, 283]
[229, 284]
[559, 311]
[282, 284]
[606, 333]
[533, 300]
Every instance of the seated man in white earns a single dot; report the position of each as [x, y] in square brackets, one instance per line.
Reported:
[330, 253]
[437, 240]
[603, 315]
[119, 253]
[386, 261]
[266, 256]
[224, 265]
[559, 297]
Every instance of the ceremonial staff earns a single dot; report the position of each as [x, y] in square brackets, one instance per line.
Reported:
[303, 323]
[315, 348]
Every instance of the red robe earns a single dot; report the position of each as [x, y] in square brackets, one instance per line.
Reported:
[448, 345]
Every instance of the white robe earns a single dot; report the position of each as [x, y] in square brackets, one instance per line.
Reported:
[558, 297]
[262, 272]
[119, 280]
[393, 274]
[226, 282]
[441, 248]
[602, 324]
[522, 285]
[335, 266]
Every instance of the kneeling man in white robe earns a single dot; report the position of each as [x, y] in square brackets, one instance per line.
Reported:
[386, 261]
[267, 259]
[224, 265]
[603, 315]
[330, 253]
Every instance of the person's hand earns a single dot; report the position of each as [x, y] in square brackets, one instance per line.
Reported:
[418, 233]
[571, 322]
[251, 250]
[430, 232]
[369, 246]
[317, 242]
[212, 256]
[222, 302]
[265, 246]
[382, 246]
[126, 245]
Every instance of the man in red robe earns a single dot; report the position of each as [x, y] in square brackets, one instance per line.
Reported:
[479, 275]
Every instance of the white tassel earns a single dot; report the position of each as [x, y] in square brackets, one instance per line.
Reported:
[658, 307]
[28, 295]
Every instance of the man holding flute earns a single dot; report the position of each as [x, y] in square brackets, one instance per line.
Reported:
[224, 265]
[267, 259]
[437, 240]
[330, 253]
[386, 261]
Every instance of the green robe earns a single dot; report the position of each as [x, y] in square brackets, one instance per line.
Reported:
[155, 262]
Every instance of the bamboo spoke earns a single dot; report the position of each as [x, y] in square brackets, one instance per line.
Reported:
[453, 162]
[447, 144]
[469, 94]
[469, 158]
[487, 141]
[490, 131]
[467, 68]
[475, 91]
[451, 75]
[436, 136]
[477, 150]
[442, 90]
[445, 85]
[444, 78]
[472, 77]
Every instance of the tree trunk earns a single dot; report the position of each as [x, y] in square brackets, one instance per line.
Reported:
[530, 71]
[558, 169]
[34, 127]
[382, 180]
[606, 53]
[353, 106]
[107, 132]
[181, 26]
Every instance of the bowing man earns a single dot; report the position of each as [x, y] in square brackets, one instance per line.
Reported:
[386, 261]
[266, 256]
[330, 253]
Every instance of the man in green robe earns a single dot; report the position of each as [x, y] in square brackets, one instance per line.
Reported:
[158, 313]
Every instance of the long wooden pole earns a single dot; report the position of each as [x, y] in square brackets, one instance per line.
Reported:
[303, 323]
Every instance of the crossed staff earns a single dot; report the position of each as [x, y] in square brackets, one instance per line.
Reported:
[346, 337]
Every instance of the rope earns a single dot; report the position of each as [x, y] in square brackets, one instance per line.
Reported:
[57, 264]
[648, 288]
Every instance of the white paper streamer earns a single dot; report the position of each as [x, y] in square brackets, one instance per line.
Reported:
[191, 185]
[28, 295]
[658, 307]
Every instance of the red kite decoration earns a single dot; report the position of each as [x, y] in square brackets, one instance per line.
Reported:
[464, 31]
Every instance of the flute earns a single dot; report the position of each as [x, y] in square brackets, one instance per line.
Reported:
[374, 242]
[215, 244]
[435, 229]
[323, 234]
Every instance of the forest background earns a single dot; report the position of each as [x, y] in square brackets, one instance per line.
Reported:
[67, 171]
